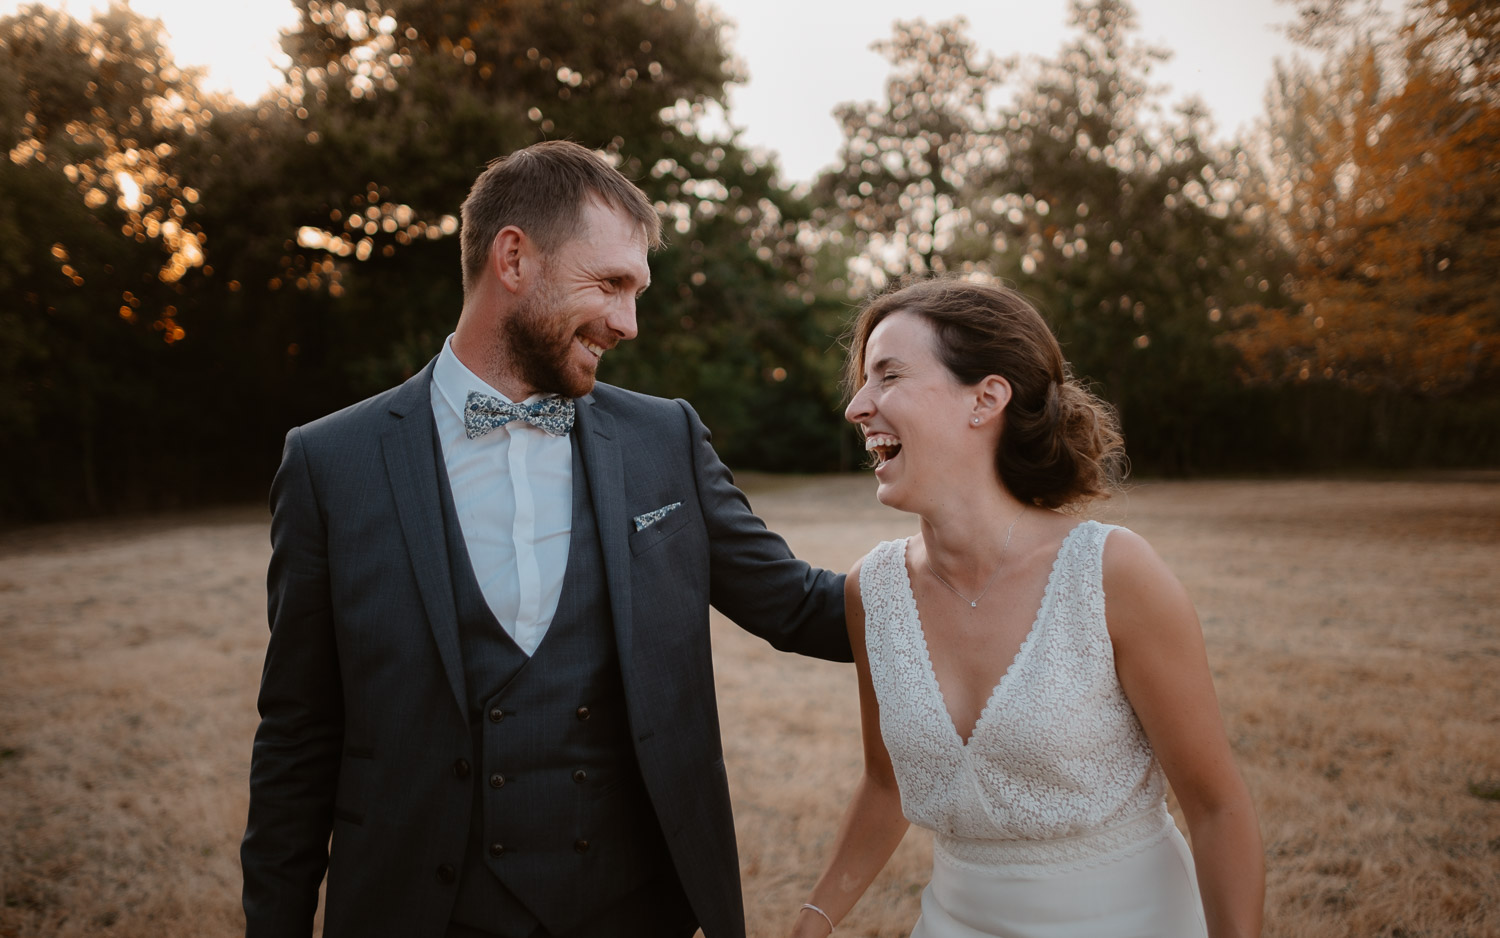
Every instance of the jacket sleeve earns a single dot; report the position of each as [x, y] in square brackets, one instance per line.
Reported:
[295, 762]
[753, 577]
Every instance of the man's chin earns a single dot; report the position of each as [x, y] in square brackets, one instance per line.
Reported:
[577, 382]
[567, 377]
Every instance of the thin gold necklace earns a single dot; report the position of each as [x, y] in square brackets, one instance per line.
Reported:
[974, 603]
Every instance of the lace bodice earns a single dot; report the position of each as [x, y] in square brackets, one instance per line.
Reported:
[1057, 752]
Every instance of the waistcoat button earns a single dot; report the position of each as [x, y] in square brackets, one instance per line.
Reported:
[446, 873]
[461, 768]
[580, 776]
[497, 849]
[497, 780]
[583, 713]
[582, 846]
[496, 715]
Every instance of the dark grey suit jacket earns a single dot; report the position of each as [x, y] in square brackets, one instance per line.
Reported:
[363, 730]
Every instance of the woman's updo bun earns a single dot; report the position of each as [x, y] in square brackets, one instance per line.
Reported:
[1060, 445]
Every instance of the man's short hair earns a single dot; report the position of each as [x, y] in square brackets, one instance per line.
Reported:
[542, 190]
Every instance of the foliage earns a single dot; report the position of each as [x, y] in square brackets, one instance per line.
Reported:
[97, 241]
[182, 277]
[299, 253]
[458, 83]
[1131, 232]
[1387, 170]
[912, 165]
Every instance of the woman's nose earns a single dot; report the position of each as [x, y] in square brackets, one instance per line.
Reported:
[859, 407]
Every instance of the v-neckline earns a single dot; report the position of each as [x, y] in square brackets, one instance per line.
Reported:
[1016, 661]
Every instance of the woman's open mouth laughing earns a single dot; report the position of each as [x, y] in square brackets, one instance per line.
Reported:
[885, 447]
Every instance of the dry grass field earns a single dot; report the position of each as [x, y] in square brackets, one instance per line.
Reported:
[1353, 628]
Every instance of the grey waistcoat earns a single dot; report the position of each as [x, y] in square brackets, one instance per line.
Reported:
[562, 826]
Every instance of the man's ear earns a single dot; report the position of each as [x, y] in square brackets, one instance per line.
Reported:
[991, 395]
[509, 253]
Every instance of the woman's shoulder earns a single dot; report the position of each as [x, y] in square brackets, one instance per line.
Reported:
[1126, 553]
[1104, 543]
[1139, 586]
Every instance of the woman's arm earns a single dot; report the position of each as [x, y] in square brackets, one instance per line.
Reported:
[873, 824]
[1163, 667]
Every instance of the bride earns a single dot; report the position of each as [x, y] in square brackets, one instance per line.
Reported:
[1028, 684]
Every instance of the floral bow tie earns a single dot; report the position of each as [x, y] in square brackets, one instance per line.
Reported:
[485, 412]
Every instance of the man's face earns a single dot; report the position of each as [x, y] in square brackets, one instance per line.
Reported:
[580, 304]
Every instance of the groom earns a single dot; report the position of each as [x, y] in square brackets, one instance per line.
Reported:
[488, 677]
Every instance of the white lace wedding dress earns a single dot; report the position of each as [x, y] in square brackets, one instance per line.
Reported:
[1051, 821]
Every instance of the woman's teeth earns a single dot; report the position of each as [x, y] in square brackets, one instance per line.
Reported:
[884, 446]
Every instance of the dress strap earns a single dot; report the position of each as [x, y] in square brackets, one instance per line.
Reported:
[877, 569]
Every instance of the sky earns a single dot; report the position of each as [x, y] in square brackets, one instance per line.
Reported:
[804, 57]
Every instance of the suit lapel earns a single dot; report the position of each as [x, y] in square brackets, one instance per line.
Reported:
[411, 464]
[605, 468]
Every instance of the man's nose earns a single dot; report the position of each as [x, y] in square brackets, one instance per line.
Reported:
[621, 319]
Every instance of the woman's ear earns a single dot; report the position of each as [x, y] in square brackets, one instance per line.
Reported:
[991, 395]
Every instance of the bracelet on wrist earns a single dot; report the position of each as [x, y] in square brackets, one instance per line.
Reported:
[812, 908]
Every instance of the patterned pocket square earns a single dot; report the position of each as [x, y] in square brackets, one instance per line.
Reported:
[642, 522]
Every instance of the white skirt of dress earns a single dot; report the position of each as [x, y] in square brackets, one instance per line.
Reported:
[1142, 889]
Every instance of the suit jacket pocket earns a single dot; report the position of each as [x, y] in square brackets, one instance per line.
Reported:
[355, 772]
[642, 541]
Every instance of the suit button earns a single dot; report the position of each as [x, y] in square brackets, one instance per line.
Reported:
[583, 713]
[497, 780]
[580, 776]
[446, 873]
[496, 715]
[461, 768]
[582, 846]
[497, 849]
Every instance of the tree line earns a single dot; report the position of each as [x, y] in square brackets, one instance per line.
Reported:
[183, 277]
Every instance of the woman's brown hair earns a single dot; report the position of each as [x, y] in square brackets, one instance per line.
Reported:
[1060, 444]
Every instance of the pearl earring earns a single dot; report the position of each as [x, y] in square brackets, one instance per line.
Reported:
[976, 421]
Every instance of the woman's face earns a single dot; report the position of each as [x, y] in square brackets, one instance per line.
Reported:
[912, 410]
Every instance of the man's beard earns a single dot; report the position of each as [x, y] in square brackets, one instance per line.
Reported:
[540, 350]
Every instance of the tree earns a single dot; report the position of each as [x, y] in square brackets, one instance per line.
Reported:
[1132, 232]
[213, 273]
[910, 165]
[98, 241]
[420, 95]
[1388, 169]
